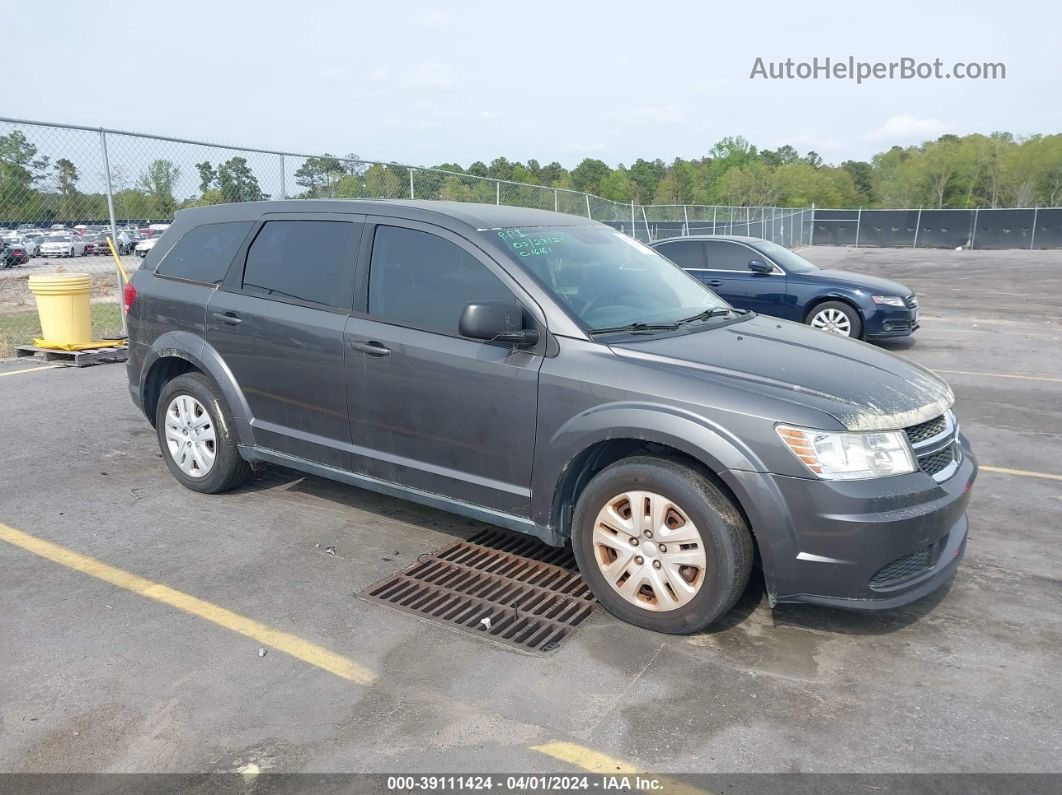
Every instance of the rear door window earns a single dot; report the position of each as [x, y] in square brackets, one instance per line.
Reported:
[684, 253]
[205, 252]
[304, 261]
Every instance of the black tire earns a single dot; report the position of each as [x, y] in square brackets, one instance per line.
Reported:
[727, 542]
[229, 469]
[848, 311]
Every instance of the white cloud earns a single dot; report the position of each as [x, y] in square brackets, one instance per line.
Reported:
[334, 72]
[584, 148]
[908, 129]
[433, 20]
[661, 114]
[430, 74]
[811, 142]
[429, 126]
[712, 84]
[488, 115]
[378, 75]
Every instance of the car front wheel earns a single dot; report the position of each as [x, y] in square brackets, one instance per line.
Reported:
[836, 317]
[660, 545]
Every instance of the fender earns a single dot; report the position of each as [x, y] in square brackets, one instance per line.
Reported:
[196, 350]
[703, 440]
[711, 444]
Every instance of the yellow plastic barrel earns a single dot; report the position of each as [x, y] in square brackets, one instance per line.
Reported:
[63, 307]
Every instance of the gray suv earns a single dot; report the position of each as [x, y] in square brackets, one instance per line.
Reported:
[550, 375]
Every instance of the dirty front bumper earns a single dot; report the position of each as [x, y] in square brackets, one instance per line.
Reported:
[866, 544]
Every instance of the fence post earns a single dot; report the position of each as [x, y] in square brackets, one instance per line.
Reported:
[859, 221]
[587, 196]
[748, 222]
[645, 220]
[556, 202]
[973, 233]
[811, 237]
[634, 233]
[715, 212]
[497, 193]
[686, 218]
[918, 224]
[411, 196]
[283, 187]
[114, 226]
[1032, 237]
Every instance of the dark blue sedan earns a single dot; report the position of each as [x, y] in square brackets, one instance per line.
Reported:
[767, 278]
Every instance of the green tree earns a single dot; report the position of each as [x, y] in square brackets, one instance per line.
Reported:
[321, 175]
[237, 182]
[587, 175]
[208, 175]
[158, 182]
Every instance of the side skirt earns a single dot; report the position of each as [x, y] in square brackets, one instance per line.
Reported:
[477, 512]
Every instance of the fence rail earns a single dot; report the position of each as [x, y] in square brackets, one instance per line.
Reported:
[70, 176]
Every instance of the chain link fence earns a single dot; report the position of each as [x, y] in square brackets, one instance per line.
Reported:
[64, 189]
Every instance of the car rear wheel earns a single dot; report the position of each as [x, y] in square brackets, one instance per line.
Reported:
[196, 437]
[836, 317]
[660, 545]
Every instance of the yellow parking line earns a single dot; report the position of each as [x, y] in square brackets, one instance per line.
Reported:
[1025, 473]
[597, 762]
[31, 369]
[1002, 375]
[281, 641]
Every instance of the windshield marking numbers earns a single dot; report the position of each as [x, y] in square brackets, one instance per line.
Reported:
[527, 246]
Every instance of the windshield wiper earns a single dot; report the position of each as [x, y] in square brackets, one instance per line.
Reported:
[636, 328]
[707, 314]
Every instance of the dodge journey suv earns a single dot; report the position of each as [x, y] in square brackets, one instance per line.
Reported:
[550, 375]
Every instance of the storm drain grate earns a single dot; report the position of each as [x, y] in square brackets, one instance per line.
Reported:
[511, 588]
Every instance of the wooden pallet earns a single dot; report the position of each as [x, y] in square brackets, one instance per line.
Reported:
[117, 353]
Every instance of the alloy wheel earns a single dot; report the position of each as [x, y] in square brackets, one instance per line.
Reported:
[190, 436]
[833, 320]
[649, 550]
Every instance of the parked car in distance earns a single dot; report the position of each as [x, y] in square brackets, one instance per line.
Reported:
[756, 274]
[63, 246]
[144, 246]
[91, 241]
[13, 255]
[553, 376]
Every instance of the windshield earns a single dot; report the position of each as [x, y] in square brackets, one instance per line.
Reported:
[790, 261]
[606, 278]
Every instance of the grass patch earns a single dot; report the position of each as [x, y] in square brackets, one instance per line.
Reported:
[19, 328]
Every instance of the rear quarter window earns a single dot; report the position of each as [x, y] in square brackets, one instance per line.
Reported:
[205, 252]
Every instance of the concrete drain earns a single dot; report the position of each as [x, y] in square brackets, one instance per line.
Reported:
[510, 588]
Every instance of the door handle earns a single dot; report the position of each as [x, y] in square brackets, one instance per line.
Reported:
[372, 348]
[715, 283]
[228, 318]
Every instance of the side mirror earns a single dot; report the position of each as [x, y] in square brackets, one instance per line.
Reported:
[759, 266]
[494, 320]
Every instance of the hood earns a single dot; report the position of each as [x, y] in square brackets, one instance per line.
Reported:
[863, 387]
[873, 284]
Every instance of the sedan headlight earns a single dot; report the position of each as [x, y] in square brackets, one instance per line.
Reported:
[888, 300]
[850, 456]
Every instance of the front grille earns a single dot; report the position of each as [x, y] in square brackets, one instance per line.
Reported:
[926, 430]
[936, 462]
[905, 568]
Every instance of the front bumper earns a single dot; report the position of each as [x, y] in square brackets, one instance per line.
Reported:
[890, 321]
[868, 544]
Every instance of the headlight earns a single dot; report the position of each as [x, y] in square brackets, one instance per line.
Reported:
[850, 456]
[889, 300]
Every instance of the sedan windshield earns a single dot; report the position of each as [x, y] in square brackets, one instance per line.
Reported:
[606, 278]
[790, 261]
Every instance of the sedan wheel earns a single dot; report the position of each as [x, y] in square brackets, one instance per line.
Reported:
[649, 550]
[833, 320]
[190, 436]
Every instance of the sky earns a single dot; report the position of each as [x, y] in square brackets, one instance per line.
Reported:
[432, 82]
